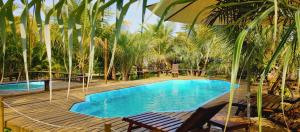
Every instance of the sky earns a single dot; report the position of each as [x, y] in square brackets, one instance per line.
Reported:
[133, 18]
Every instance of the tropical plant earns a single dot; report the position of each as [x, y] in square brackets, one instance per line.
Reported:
[257, 14]
[159, 44]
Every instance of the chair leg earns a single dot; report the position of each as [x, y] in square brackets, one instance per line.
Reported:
[129, 127]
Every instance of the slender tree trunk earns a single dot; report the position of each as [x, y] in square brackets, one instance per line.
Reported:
[298, 81]
[198, 67]
[105, 60]
[248, 97]
[83, 79]
[113, 73]
[205, 63]
[2, 70]
[2, 76]
[158, 69]
[191, 71]
[65, 51]
[125, 76]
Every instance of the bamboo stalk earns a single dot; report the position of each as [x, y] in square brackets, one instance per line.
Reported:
[105, 60]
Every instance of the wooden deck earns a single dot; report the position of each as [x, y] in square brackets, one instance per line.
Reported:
[57, 117]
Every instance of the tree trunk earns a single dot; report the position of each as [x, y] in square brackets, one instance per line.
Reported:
[2, 76]
[125, 76]
[158, 69]
[198, 67]
[248, 97]
[113, 73]
[105, 59]
[83, 80]
[298, 81]
[139, 71]
[205, 63]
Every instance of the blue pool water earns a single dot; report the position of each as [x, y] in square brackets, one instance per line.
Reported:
[166, 96]
[22, 86]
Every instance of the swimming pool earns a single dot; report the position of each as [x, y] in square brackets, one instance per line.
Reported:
[166, 96]
[21, 86]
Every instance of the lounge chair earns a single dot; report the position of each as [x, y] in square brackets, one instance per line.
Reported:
[232, 125]
[293, 124]
[278, 98]
[270, 104]
[175, 70]
[162, 123]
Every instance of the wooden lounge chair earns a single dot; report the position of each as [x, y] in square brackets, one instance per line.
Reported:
[232, 125]
[277, 98]
[270, 104]
[162, 123]
[293, 124]
[175, 70]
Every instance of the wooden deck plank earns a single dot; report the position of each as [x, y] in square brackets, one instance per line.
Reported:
[57, 112]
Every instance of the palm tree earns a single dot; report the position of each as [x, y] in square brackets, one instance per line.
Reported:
[208, 43]
[160, 44]
[129, 52]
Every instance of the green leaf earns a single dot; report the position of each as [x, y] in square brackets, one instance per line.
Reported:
[38, 19]
[47, 36]
[93, 17]
[118, 29]
[71, 25]
[162, 17]
[23, 29]
[297, 21]
[218, 6]
[275, 21]
[275, 55]
[237, 53]
[3, 39]
[285, 67]
[280, 47]
[10, 17]
[144, 6]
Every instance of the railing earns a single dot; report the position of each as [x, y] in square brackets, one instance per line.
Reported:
[43, 75]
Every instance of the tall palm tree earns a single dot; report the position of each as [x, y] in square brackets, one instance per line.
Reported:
[160, 44]
[129, 52]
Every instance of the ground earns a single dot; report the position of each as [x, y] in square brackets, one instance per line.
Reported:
[34, 112]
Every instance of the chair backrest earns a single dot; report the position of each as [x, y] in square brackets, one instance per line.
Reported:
[201, 116]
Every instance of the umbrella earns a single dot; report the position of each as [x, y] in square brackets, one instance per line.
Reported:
[184, 13]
